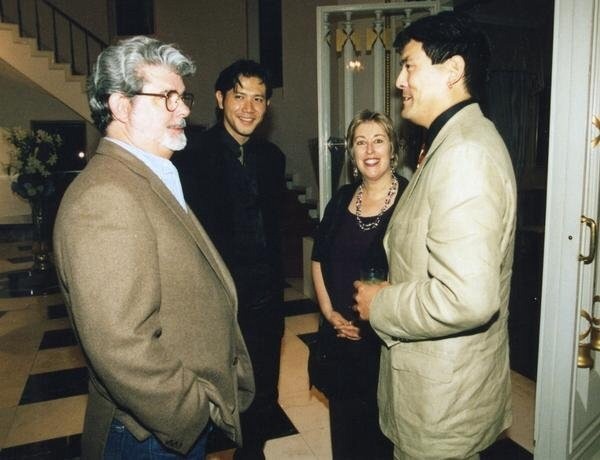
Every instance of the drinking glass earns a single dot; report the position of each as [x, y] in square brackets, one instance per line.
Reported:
[373, 275]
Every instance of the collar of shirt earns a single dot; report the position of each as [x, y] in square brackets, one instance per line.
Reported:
[442, 119]
[231, 145]
[163, 168]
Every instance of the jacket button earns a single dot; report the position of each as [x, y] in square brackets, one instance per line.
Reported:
[157, 333]
[235, 361]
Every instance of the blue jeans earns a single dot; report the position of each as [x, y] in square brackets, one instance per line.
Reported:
[121, 445]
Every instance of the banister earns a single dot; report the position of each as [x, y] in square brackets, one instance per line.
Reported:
[71, 23]
[75, 23]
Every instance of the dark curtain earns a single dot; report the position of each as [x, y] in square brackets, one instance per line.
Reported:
[512, 103]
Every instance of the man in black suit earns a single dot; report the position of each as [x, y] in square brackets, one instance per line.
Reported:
[234, 182]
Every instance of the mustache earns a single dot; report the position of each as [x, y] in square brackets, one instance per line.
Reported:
[180, 124]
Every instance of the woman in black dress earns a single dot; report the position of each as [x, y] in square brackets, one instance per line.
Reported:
[349, 241]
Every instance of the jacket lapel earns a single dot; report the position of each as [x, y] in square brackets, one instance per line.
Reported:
[461, 116]
[187, 219]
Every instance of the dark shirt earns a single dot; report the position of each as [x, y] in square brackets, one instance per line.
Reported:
[239, 206]
[442, 119]
[343, 250]
[350, 250]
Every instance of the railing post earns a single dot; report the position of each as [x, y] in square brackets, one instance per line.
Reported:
[55, 36]
[19, 17]
[37, 26]
[87, 54]
[71, 48]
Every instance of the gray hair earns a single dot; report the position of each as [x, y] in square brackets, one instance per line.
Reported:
[117, 70]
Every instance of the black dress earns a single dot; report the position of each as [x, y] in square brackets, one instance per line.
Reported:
[343, 249]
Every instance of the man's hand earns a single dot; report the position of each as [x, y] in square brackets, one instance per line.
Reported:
[363, 296]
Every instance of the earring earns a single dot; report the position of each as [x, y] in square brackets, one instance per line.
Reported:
[355, 172]
[393, 163]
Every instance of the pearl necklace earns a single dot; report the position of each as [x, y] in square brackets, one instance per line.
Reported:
[388, 199]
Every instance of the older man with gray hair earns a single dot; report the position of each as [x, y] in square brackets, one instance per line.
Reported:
[150, 300]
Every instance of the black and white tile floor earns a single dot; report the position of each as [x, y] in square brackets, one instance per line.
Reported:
[43, 388]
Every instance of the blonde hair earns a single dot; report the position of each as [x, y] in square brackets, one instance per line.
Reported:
[364, 116]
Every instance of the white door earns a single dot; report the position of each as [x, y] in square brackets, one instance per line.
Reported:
[567, 424]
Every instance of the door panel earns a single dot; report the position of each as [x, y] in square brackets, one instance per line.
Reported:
[568, 397]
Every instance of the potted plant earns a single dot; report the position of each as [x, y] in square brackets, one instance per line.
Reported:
[33, 159]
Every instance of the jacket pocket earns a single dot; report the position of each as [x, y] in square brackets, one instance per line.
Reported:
[438, 368]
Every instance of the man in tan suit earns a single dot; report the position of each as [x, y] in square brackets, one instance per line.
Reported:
[150, 299]
[444, 383]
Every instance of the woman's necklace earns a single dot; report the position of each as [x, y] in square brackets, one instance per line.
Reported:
[388, 199]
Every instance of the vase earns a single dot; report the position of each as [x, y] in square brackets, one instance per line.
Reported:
[41, 235]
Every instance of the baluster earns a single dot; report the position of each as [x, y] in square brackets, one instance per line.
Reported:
[37, 26]
[324, 110]
[378, 64]
[388, 77]
[71, 48]
[19, 18]
[349, 56]
[55, 37]
[87, 53]
[407, 14]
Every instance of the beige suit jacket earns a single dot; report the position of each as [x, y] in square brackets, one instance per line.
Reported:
[153, 306]
[444, 387]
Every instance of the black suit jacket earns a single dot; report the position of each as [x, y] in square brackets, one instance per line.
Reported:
[205, 173]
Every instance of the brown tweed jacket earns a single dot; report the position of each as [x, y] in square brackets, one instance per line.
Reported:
[153, 306]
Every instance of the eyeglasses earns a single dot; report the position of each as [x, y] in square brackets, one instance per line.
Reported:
[172, 98]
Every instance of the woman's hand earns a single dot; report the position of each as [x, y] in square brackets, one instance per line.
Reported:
[345, 329]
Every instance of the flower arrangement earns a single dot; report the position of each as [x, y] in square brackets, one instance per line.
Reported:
[33, 157]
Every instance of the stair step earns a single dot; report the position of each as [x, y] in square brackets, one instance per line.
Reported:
[299, 189]
[39, 66]
[8, 26]
[311, 203]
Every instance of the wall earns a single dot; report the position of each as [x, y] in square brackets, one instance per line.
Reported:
[214, 34]
[22, 102]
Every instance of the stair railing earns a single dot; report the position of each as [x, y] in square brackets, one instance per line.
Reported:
[14, 11]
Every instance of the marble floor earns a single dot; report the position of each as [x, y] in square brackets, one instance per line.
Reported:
[43, 383]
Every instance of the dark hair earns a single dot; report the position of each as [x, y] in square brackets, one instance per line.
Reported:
[448, 34]
[229, 78]
[117, 70]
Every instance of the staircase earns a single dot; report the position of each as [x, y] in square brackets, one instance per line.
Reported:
[39, 66]
[299, 220]
[28, 56]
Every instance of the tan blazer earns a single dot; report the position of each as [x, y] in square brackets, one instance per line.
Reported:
[444, 387]
[153, 307]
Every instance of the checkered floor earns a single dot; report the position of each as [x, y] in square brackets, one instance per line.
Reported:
[43, 388]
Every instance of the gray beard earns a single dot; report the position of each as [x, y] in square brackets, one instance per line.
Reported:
[175, 144]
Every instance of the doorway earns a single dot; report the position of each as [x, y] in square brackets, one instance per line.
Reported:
[518, 102]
